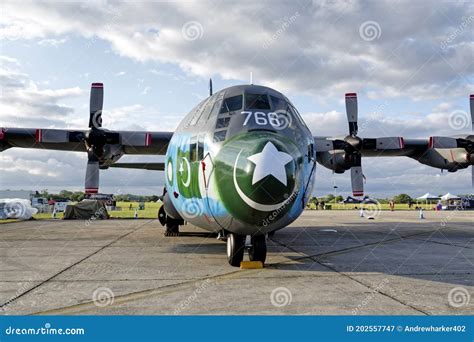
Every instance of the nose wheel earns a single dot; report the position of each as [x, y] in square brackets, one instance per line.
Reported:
[236, 247]
[258, 250]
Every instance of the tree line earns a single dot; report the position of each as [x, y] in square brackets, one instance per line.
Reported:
[77, 196]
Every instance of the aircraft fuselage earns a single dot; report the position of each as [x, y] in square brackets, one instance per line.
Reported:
[242, 161]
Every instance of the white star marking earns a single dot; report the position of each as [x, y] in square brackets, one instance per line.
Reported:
[270, 162]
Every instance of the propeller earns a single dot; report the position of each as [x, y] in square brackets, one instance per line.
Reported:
[96, 138]
[353, 145]
[94, 142]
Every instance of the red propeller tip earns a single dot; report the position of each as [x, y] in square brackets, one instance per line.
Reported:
[351, 94]
[472, 96]
[97, 85]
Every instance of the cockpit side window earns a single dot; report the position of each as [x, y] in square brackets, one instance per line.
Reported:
[297, 114]
[284, 105]
[198, 112]
[256, 101]
[231, 104]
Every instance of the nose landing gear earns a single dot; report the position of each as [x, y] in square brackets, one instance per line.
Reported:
[258, 250]
[236, 247]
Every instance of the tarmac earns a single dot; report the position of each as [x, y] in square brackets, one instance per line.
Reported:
[325, 263]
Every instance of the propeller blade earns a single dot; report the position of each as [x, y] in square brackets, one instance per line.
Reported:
[210, 87]
[357, 180]
[351, 111]
[96, 103]
[92, 176]
[471, 102]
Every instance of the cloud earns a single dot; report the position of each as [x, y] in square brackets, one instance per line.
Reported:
[52, 42]
[420, 51]
[303, 47]
[25, 103]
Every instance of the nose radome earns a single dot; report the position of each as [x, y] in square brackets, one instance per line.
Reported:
[258, 175]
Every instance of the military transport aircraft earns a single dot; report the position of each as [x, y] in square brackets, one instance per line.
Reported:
[241, 163]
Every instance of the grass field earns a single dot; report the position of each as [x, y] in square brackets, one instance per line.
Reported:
[382, 206]
[151, 210]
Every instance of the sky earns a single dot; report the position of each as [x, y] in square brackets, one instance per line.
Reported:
[411, 63]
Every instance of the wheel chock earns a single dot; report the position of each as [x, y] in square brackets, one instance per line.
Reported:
[248, 265]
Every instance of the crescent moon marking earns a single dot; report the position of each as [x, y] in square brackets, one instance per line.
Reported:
[251, 203]
[188, 180]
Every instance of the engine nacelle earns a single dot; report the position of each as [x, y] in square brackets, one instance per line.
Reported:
[112, 153]
[334, 160]
[451, 159]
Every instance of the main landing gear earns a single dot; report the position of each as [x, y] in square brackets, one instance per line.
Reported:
[171, 225]
[236, 248]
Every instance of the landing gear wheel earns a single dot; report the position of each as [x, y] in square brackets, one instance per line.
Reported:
[172, 229]
[162, 215]
[235, 249]
[258, 251]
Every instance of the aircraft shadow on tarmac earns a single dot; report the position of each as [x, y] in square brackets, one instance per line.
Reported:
[422, 252]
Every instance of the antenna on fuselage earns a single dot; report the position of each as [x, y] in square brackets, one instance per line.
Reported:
[210, 87]
[251, 77]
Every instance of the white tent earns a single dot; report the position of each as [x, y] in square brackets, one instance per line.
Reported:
[450, 196]
[428, 197]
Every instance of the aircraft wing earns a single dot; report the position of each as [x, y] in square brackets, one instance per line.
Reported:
[142, 166]
[342, 154]
[128, 142]
[104, 147]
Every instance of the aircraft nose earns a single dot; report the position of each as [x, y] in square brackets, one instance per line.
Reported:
[258, 175]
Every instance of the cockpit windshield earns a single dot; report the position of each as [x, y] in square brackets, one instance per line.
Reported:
[231, 104]
[256, 101]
